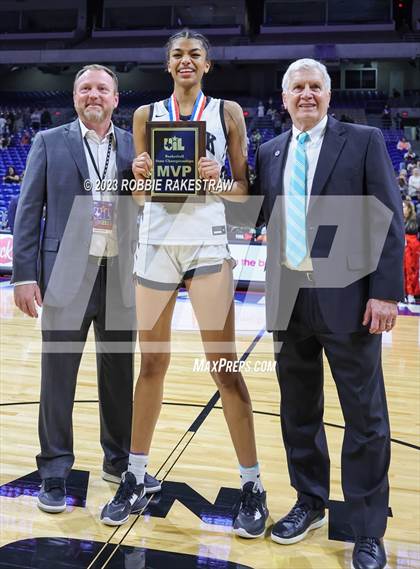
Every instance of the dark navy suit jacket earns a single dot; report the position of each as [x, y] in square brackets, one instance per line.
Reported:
[353, 162]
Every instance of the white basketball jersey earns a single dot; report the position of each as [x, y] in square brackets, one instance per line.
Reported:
[193, 224]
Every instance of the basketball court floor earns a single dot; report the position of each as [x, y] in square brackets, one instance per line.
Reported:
[188, 525]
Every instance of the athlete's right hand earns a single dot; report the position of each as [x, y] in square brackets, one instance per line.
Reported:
[142, 166]
[25, 297]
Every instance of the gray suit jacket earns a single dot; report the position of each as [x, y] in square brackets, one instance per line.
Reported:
[54, 177]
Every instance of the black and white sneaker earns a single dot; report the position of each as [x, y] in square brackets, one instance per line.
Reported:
[52, 495]
[253, 513]
[296, 525]
[129, 499]
[151, 484]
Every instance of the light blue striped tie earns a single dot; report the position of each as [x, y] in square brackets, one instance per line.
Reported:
[296, 249]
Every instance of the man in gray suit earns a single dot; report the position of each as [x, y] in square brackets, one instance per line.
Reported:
[79, 267]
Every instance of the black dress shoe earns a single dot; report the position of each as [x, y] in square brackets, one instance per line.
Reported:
[369, 553]
[295, 526]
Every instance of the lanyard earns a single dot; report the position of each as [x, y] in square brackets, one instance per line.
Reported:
[108, 155]
[197, 111]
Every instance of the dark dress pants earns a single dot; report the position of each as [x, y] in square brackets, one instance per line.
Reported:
[355, 362]
[64, 333]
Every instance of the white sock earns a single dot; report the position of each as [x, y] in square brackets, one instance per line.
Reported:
[137, 464]
[251, 474]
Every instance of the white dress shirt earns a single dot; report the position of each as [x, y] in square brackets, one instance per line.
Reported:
[312, 149]
[102, 244]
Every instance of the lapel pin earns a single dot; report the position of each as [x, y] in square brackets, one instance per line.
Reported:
[277, 153]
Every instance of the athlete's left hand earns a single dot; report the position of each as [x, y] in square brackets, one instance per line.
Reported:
[209, 169]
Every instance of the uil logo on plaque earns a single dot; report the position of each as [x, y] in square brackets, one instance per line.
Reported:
[175, 148]
[174, 143]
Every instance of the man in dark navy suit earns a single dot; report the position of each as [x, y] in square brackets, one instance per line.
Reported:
[344, 299]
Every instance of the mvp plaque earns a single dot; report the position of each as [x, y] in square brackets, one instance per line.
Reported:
[175, 148]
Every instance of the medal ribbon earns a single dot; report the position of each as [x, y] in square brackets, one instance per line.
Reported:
[197, 111]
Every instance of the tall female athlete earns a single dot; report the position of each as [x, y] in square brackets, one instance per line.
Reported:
[187, 244]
